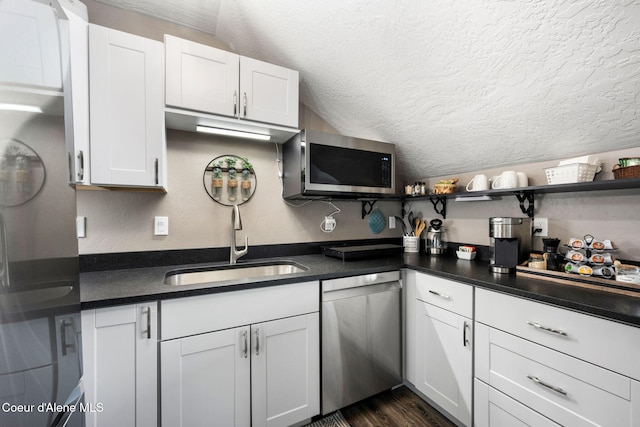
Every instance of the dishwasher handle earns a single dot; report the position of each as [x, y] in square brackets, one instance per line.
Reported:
[336, 294]
[362, 280]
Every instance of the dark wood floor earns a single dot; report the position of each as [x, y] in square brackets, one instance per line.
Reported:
[395, 408]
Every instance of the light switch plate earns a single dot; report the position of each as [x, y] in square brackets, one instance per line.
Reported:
[81, 227]
[161, 226]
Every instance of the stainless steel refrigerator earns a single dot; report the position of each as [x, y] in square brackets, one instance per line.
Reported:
[40, 359]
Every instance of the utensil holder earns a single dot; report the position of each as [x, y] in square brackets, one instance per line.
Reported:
[411, 243]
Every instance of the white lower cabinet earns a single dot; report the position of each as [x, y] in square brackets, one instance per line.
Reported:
[206, 377]
[493, 408]
[439, 342]
[120, 356]
[259, 375]
[262, 369]
[545, 365]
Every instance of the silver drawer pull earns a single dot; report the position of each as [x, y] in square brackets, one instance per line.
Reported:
[548, 329]
[549, 386]
[445, 296]
[257, 342]
[245, 350]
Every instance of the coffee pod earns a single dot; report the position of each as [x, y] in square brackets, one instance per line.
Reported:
[601, 259]
[602, 245]
[577, 243]
[575, 256]
[603, 271]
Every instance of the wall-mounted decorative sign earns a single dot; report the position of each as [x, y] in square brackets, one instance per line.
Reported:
[22, 173]
[230, 180]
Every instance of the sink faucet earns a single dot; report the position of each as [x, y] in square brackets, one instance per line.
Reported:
[236, 224]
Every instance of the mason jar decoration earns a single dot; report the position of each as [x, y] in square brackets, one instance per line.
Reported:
[245, 185]
[232, 182]
[216, 181]
[23, 175]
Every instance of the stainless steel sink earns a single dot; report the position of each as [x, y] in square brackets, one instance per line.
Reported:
[221, 275]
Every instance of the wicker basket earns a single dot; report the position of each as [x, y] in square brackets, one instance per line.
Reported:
[444, 188]
[569, 174]
[628, 172]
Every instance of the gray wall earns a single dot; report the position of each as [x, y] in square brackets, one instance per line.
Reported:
[123, 221]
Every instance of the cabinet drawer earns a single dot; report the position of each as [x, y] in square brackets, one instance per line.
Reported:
[496, 409]
[453, 296]
[606, 343]
[563, 388]
[196, 315]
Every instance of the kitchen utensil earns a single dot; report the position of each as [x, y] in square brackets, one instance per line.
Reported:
[402, 224]
[478, 183]
[507, 179]
[376, 221]
[420, 225]
[412, 223]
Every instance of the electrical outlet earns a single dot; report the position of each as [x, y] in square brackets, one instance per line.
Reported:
[329, 224]
[541, 224]
[392, 222]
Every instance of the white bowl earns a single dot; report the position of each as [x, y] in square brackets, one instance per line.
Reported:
[466, 255]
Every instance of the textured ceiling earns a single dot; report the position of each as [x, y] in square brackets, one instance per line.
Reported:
[458, 85]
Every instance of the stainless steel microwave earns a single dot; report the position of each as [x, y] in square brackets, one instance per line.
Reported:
[320, 165]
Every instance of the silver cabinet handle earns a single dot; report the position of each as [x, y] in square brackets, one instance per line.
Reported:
[257, 342]
[157, 171]
[445, 296]
[64, 324]
[147, 331]
[548, 329]
[544, 384]
[81, 170]
[465, 340]
[70, 168]
[235, 103]
[245, 350]
[244, 103]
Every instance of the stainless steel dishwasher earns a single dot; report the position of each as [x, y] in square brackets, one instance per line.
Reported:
[361, 338]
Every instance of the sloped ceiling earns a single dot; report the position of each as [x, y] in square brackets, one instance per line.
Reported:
[458, 85]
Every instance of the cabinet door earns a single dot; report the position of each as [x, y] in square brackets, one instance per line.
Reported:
[200, 77]
[269, 93]
[76, 99]
[206, 378]
[30, 49]
[119, 346]
[285, 372]
[127, 109]
[444, 359]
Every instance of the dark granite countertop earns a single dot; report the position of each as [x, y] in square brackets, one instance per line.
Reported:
[108, 288]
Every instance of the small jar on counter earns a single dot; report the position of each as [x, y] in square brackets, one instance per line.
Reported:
[537, 261]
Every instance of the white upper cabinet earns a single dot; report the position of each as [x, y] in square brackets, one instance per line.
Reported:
[126, 77]
[75, 36]
[29, 44]
[269, 93]
[212, 81]
[200, 77]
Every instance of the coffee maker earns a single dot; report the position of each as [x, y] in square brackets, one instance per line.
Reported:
[510, 243]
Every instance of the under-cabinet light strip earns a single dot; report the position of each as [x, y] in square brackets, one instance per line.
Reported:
[236, 133]
[21, 107]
